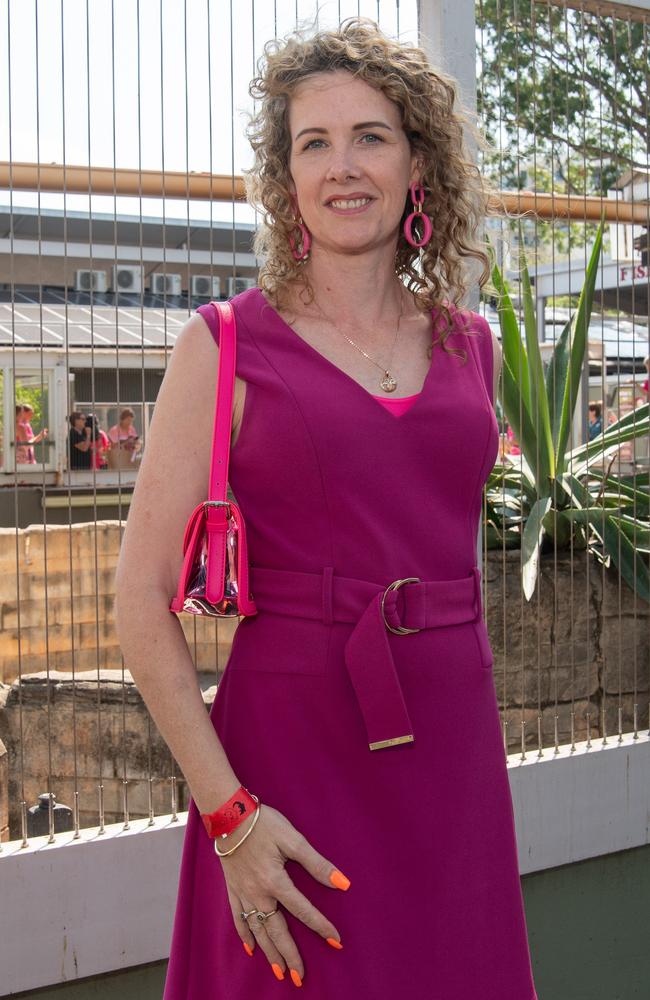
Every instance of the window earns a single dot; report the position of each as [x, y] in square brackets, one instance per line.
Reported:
[28, 417]
[120, 442]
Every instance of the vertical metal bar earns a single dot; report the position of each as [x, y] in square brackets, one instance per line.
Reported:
[630, 50]
[172, 773]
[75, 746]
[100, 780]
[42, 382]
[12, 417]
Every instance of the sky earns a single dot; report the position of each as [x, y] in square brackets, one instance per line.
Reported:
[146, 83]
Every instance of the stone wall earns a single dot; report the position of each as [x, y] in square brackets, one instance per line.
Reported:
[59, 586]
[101, 725]
[580, 647]
[577, 649]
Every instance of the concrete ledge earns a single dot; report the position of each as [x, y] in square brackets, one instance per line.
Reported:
[573, 805]
[81, 907]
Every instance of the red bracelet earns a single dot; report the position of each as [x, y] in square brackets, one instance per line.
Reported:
[233, 812]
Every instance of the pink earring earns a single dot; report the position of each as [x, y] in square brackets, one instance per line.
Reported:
[305, 239]
[417, 197]
[305, 235]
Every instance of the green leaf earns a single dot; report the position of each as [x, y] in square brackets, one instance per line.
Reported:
[531, 543]
[575, 345]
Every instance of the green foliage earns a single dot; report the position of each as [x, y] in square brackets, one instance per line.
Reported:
[552, 75]
[563, 96]
[556, 498]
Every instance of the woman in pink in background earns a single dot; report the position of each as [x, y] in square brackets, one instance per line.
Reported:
[513, 448]
[100, 443]
[24, 433]
[123, 435]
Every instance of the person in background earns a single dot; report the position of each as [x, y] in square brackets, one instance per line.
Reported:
[79, 442]
[24, 433]
[641, 396]
[99, 444]
[595, 420]
[124, 434]
[513, 447]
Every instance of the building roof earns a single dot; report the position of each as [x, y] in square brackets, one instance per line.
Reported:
[125, 230]
[127, 326]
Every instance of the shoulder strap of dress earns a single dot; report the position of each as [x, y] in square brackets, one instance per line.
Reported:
[211, 317]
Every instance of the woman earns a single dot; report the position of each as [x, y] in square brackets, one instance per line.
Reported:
[79, 441]
[100, 442]
[382, 858]
[124, 434]
[24, 433]
[124, 439]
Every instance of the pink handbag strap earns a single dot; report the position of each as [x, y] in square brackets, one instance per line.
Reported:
[216, 521]
[218, 485]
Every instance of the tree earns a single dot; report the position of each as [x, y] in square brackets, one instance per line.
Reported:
[564, 88]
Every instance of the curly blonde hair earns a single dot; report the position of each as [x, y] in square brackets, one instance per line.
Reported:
[456, 197]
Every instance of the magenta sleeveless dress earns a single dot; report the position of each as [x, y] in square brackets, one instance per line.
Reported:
[346, 495]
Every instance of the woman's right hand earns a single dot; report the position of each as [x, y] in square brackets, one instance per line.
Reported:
[256, 878]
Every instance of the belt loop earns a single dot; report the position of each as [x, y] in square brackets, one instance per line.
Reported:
[328, 617]
[477, 593]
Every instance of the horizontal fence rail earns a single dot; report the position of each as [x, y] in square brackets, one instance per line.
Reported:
[218, 187]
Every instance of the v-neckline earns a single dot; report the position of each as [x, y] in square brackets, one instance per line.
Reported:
[348, 378]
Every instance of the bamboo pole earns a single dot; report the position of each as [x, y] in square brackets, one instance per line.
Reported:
[223, 187]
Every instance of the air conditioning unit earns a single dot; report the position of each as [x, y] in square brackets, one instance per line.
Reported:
[236, 285]
[205, 287]
[127, 279]
[166, 284]
[86, 281]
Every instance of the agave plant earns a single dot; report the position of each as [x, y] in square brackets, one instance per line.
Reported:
[554, 497]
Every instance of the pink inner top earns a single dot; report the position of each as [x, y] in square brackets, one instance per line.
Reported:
[399, 405]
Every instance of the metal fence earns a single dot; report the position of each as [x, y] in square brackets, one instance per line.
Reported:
[122, 154]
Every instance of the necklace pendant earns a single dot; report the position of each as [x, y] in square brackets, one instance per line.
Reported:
[388, 383]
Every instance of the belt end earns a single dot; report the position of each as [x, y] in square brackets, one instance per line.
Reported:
[380, 744]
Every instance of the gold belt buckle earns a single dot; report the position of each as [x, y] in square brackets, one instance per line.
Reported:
[395, 585]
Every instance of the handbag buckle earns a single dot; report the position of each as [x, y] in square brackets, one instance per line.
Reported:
[395, 585]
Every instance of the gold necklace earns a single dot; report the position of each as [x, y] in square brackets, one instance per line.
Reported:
[388, 383]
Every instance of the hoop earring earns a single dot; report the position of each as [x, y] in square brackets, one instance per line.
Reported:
[305, 240]
[417, 197]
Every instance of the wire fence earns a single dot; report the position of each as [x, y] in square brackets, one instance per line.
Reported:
[123, 210]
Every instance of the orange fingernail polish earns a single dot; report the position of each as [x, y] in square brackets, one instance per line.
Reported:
[334, 943]
[279, 974]
[247, 948]
[296, 978]
[339, 880]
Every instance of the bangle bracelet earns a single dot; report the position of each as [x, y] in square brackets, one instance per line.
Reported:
[224, 854]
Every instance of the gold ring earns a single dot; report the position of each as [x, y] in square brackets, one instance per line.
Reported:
[261, 916]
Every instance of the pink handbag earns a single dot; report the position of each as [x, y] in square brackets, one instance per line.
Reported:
[214, 577]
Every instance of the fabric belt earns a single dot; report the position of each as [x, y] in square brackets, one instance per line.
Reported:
[403, 606]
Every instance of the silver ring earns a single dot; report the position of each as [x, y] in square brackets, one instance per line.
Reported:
[261, 916]
[245, 915]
